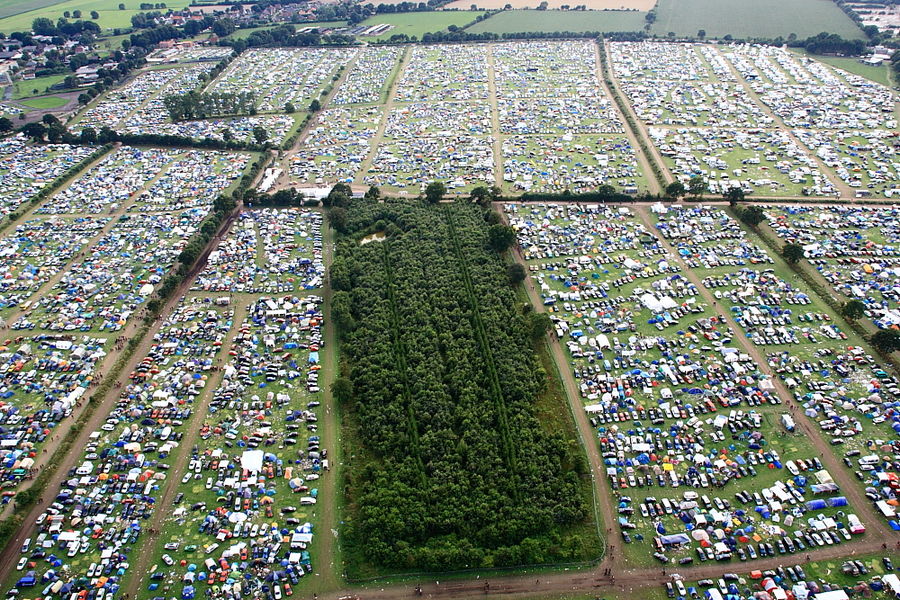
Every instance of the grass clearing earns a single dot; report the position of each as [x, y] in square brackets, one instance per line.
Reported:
[43, 102]
[26, 88]
[419, 23]
[881, 74]
[513, 21]
[9, 8]
[760, 19]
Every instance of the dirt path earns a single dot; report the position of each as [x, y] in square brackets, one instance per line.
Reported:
[642, 158]
[141, 567]
[326, 539]
[642, 133]
[850, 488]
[495, 118]
[382, 125]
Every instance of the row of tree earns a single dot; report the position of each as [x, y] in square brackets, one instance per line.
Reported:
[203, 105]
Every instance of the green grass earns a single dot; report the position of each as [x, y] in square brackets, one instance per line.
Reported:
[25, 89]
[761, 18]
[110, 15]
[418, 23]
[512, 21]
[880, 74]
[45, 102]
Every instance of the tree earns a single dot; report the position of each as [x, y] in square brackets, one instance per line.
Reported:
[701, 34]
[88, 135]
[792, 253]
[76, 13]
[696, 186]
[752, 215]
[853, 309]
[289, 107]
[342, 389]
[43, 26]
[6, 125]
[260, 134]
[675, 190]
[315, 105]
[501, 237]
[95, 15]
[122, 6]
[734, 195]
[516, 273]
[339, 195]
[337, 218]
[373, 193]
[35, 131]
[886, 340]
[539, 323]
[435, 191]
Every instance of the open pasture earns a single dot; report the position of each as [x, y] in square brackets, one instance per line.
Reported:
[762, 18]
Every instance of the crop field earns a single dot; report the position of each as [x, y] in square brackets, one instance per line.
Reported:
[763, 18]
[419, 23]
[496, 466]
[511, 21]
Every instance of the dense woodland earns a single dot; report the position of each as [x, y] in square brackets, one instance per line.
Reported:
[450, 467]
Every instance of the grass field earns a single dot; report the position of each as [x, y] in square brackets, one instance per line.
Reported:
[418, 23]
[25, 89]
[511, 21]
[761, 18]
[110, 16]
[43, 102]
[880, 74]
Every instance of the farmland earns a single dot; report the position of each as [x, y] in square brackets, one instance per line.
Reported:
[765, 18]
[410, 386]
[510, 21]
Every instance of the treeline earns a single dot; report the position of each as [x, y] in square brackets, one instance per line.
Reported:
[441, 381]
[202, 105]
[832, 43]
[286, 35]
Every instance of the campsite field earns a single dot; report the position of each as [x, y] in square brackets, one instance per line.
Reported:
[763, 18]
[419, 23]
[512, 21]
